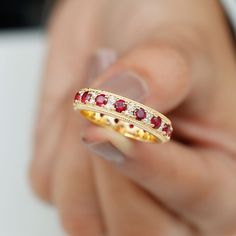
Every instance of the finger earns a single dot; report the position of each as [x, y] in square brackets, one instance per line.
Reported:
[41, 170]
[73, 190]
[69, 55]
[128, 210]
[185, 179]
[170, 168]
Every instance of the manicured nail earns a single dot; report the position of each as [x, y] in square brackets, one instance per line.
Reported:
[107, 144]
[101, 60]
[106, 150]
[128, 84]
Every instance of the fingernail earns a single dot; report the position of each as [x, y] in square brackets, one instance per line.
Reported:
[101, 60]
[105, 150]
[128, 84]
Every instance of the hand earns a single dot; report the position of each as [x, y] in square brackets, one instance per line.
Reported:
[175, 56]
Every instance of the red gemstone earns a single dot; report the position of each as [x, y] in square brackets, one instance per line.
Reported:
[131, 126]
[120, 105]
[77, 97]
[86, 97]
[101, 99]
[140, 114]
[156, 121]
[166, 128]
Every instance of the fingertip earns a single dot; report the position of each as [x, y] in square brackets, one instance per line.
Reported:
[94, 135]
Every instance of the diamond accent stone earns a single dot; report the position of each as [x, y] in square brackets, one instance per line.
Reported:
[147, 118]
[92, 99]
[130, 110]
[111, 101]
[162, 125]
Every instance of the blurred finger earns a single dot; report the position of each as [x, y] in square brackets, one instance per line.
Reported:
[143, 216]
[74, 192]
[68, 59]
[185, 179]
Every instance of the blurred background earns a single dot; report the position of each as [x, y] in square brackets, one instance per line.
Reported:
[22, 49]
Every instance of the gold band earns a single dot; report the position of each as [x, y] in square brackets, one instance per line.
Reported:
[128, 117]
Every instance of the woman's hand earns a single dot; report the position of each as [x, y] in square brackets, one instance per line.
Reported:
[176, 56]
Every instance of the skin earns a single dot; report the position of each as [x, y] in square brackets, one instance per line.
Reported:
[185, 52]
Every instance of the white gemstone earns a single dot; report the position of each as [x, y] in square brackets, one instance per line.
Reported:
[130, 110]
[110, 102]
[162, 125]
[148, 118]
[92, 99]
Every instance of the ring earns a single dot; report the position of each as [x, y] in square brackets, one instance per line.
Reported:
[127, 117]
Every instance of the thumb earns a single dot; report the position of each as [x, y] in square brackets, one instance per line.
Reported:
[158, 74]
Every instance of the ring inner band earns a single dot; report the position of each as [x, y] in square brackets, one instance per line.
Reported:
[119, 126]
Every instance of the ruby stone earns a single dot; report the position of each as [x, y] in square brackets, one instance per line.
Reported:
[140, 114]
[86, 97]
[77, 97]
[156, 121]
[120, 105]
[101, 99]
[166, 128]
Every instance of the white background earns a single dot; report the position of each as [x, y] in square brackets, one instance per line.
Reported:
[21, 214]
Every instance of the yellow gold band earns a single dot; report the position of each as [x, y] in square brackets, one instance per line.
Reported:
[127, 117]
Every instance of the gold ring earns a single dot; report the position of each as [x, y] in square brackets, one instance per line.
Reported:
[127, 117]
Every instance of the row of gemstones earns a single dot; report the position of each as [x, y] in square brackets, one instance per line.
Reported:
[121, 106]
